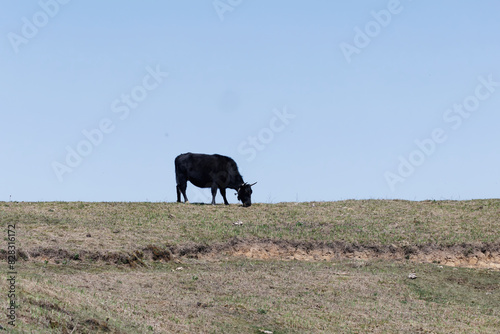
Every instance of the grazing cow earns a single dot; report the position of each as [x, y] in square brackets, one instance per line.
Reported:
[211, 171]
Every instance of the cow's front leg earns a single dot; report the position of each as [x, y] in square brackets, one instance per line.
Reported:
[223, 193]
[214, 192]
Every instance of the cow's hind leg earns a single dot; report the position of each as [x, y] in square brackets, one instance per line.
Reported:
[181, 188]
[214, 192]
[223, 193]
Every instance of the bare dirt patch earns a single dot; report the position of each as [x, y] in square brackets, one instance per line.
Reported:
[464, 255]
[479, 255]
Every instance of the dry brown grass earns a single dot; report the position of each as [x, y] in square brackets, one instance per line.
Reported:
[245, 296]
[129, 226]
[114, 267]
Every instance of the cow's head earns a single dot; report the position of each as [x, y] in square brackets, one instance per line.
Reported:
[245, 194]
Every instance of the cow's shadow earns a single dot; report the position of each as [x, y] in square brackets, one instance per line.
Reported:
[209, 204]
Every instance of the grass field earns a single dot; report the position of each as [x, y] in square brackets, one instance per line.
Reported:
[322, 267]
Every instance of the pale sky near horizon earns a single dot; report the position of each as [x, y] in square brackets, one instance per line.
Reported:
[316, 101]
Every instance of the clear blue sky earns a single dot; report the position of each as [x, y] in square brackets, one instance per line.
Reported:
[314, 100]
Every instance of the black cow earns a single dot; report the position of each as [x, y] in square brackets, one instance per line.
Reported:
[211, 171]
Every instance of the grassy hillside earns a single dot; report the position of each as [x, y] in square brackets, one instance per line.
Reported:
[168, 267]
[127, 226]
